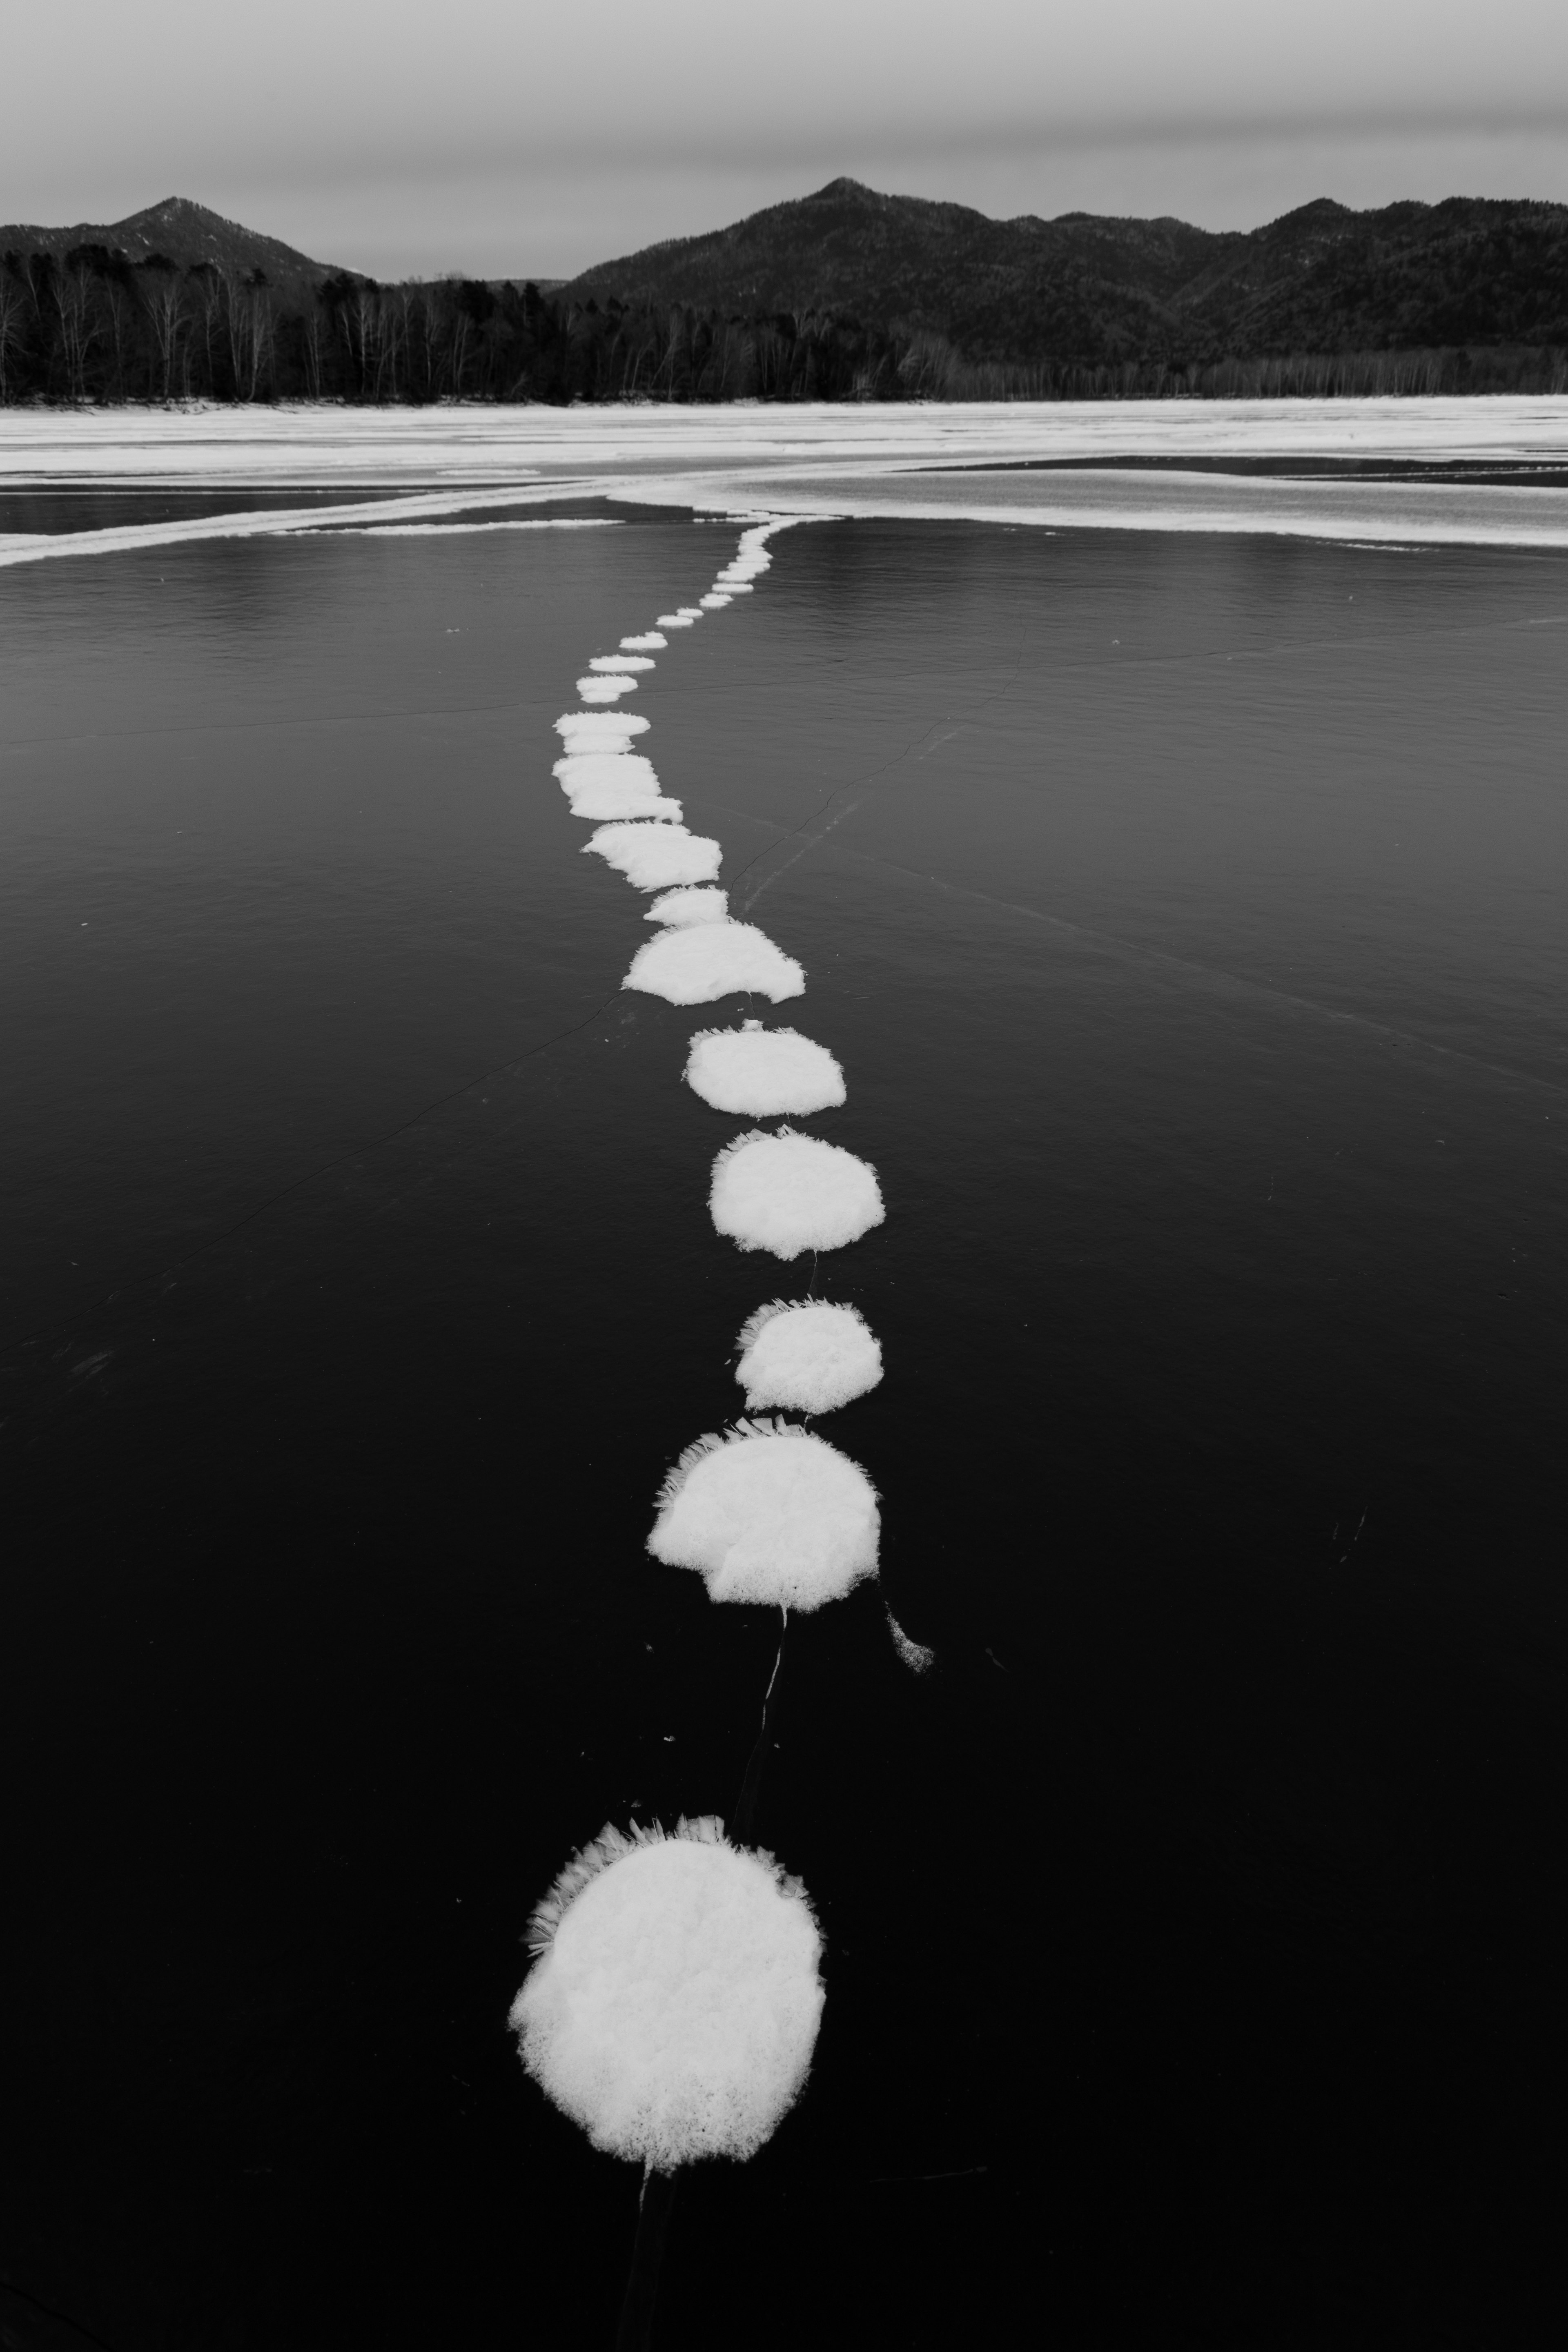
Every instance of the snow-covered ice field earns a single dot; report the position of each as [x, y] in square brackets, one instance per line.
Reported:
[872, 461]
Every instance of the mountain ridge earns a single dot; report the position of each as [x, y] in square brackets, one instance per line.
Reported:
[1094, 288]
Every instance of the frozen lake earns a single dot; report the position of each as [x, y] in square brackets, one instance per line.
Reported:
[1183, 901]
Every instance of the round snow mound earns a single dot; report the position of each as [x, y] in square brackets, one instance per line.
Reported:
[764, 1072]
[771, 1514]
[673, 2006]
[694, 964]
[809, 1356]
[788, 1193]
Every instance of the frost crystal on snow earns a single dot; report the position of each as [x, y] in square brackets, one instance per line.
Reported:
[655, 856]
[763, 1073]
[807, 1355]
[698, 963]
[673, 2004]
[680, 908]
[788, 1193]
[771, 1514]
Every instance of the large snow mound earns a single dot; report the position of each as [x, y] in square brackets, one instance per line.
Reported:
[673, 2005]
[698, 964]
[763, 1073]
[788, 1193]
[655, 856]
[808, 1356]
[769, 1514]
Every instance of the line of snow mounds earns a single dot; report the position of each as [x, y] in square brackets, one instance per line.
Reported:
[673, 2003]
[769, 1513]
[679, 908]
[787, 1192]
[695, 963]
[763, 1073]
[607, 785]
[807, 1355]
[656, 857]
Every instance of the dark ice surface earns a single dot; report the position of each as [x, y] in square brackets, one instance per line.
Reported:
[1187, 912]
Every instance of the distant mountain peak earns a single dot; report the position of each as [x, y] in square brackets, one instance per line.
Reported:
[183, 231]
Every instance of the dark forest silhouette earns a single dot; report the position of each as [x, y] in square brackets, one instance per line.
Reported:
[844, 295]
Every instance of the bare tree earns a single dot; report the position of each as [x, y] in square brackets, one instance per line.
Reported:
[163, 296]
[13, 309]
[80, 324]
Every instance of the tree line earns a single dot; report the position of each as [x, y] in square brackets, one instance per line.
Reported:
[93, 326]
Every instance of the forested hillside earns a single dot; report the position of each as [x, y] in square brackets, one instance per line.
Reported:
[844, 295]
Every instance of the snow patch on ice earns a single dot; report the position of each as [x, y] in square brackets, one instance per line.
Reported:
[605, 690]
[627, 767]
[673, 2004]
[808, 1356]
[787, 1192]
[763, 1073]
[609, 784]
[915, 1654]
[769, 1513]
[649, 643]
[593, 730]
[611, 664]
[656, 856]
[699, 963]
[681, 909]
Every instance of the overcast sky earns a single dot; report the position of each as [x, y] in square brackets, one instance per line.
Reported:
[508, 139]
